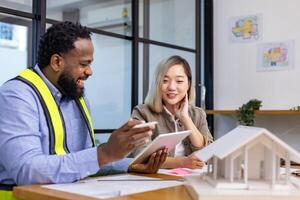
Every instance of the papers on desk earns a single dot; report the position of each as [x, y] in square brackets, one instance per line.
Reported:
[112, 186]
[183, 171]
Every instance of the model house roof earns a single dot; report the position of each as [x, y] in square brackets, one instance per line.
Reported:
[238, 138]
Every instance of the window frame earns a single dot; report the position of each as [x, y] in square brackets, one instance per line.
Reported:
[203, 40]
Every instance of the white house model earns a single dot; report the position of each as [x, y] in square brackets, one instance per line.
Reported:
[248, 158]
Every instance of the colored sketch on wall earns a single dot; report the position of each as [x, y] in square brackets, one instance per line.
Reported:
[246, 28]
[275, 56]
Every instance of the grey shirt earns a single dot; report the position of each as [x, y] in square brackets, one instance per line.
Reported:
[167, 124]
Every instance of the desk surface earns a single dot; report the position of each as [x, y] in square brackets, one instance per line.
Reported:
[36, 192]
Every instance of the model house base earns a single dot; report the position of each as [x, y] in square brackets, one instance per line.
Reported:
[246, 161]
[200, 189]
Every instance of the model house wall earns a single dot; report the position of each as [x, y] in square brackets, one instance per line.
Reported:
[247, 154]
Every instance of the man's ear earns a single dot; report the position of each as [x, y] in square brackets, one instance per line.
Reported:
[56, 62]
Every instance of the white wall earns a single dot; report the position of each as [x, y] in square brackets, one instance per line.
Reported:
[236, 80]
[235, 75]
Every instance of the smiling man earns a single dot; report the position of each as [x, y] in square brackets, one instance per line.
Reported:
[46, 132]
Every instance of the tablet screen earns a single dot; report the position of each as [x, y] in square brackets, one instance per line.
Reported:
[168, 140]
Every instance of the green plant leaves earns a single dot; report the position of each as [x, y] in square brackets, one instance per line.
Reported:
[246, 112]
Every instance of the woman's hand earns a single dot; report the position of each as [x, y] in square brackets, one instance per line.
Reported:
[183, 109]
[191, 162]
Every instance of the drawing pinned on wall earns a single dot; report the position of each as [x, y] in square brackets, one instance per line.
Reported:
[245, 28]
[275, 56]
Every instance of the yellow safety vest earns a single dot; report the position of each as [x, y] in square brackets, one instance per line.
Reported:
[6, 192]
[53, 116]
[7, 195]
[52, 112]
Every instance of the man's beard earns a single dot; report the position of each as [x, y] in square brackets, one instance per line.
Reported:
[69, 86]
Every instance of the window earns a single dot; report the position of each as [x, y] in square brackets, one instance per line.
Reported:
[14, 40]
[109, 88]
[112, 16]
[170, 21]
[130, 38]
[24, 5]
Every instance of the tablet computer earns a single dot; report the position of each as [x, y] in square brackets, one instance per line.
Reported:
[168, 140]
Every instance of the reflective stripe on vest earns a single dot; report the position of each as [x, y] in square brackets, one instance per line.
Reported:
[53, 114]
[7, 195]
[6, 192]
[86, 115]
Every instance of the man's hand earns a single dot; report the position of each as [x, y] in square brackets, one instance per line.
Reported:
[123, 141]
[154, 163]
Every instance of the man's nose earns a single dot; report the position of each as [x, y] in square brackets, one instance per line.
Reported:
[89, 71]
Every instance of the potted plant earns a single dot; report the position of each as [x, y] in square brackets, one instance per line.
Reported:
[246, 113]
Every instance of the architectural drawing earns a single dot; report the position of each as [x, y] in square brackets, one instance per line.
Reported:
[245, 28]
[275, 56]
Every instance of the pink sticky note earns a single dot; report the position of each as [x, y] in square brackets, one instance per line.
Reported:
[180, 171]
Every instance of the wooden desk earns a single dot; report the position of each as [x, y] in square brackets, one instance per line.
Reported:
[36, 192]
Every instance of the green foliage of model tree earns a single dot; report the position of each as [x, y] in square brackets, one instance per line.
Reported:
[246, 112]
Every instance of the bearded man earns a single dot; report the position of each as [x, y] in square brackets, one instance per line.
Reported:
[46, 131]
